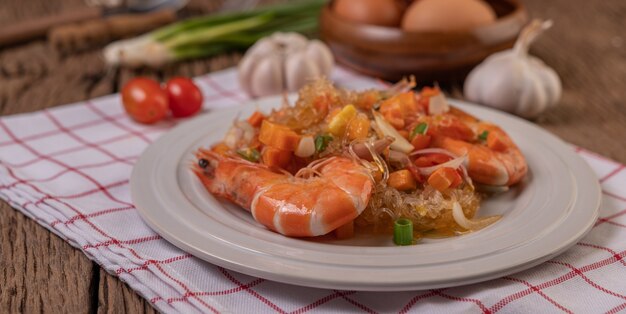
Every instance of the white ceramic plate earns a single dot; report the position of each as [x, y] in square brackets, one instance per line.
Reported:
[555, 207]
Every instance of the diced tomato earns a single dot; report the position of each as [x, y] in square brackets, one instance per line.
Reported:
[255, 119]
[367, 99]
[454, 128]
[496, 142]
[398, 107]
[431, 160]
[421, 141]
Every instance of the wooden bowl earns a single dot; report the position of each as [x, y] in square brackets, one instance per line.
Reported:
[390, 53]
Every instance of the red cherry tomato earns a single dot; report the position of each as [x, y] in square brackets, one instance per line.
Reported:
[144, 100]
[184, 96]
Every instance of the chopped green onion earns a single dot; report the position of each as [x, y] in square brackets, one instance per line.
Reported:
[214, 34]
[483, 136]
[250, 154]
[403, 232]
[419, 129]
[321, 142]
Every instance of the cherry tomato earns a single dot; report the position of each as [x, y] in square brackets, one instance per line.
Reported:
[184, 96]
[144, 100]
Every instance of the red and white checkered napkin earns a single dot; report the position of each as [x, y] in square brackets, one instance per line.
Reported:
[68, 168]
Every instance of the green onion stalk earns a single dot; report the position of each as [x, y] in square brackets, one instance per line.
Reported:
[403, 232]
[213, 34]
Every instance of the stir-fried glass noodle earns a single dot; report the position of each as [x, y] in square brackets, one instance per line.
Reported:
[340, 162]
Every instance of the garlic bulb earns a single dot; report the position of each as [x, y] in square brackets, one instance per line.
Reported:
[283, 62]
[513, 81]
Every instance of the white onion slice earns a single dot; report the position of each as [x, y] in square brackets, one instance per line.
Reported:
[434, 151]
[306, 147]
[454, 164]
[438, 104]
[399, 143]
[471, 224]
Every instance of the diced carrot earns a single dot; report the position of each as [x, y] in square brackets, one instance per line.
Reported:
[345, 231]
[444, 178]
[402, 180]
[221, 148]
[275, 158]
[495, 142]
[358, 127]
[431, 160]
[278, 136]
[421, 141]
[256, 118]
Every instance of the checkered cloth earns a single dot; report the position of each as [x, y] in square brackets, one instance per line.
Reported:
[68, 169]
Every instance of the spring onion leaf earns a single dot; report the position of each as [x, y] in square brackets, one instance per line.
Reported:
[249, 154]
[321, 142]
[403, 232]
[419, 129]
[483, 136]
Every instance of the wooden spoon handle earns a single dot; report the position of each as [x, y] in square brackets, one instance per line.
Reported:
[38, 27]
[88, 34]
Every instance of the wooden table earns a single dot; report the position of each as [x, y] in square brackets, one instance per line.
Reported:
[39, 271]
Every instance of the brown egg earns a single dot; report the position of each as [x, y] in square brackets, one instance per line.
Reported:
[447, 15]
[376, 12]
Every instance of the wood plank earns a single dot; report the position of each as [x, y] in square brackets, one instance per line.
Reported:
[38, 270]
[587, 47]
[114, 296]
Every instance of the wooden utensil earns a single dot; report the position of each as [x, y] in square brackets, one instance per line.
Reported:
[35, 28]
[87, 34]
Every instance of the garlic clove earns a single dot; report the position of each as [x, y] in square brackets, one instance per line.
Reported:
[550, 79]
[299, 70]
[266, 79]
[319, 52]
[513, 81]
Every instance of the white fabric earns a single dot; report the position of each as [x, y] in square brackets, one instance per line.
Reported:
[68, 168]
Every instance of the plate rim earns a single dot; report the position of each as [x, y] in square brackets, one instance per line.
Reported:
[582, 169]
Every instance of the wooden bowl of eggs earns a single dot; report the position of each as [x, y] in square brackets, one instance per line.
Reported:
[435, 40]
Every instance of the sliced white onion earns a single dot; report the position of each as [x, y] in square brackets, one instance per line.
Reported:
[454, 164]
[306, 147]
[438, 104]
[434, 151]
[400, 143]
[471, 224]
[248, 131]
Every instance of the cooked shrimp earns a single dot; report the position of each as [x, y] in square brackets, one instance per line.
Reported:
[492, 160]
[291, 205]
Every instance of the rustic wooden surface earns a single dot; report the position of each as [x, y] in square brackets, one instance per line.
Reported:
[41, 272]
